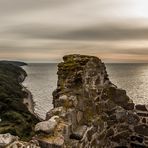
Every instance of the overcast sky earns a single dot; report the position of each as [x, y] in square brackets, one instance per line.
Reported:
[45, 30]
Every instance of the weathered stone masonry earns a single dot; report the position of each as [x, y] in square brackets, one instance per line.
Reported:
[91, 112]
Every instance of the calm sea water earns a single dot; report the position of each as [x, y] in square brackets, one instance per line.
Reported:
[42, 80]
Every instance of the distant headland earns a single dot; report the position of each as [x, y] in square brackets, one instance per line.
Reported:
[18, 63]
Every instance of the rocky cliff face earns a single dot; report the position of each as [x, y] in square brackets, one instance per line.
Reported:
[91, 112]
[15, 117]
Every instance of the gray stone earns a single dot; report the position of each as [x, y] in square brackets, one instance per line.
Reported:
[79, 133]
[55, 112]
[79, 116]
[63, 97]
[121, 114]
[47, 126]
[6, 139]
[86, 96]
[141, 107]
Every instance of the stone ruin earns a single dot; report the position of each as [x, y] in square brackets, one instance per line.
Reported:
[91, 112]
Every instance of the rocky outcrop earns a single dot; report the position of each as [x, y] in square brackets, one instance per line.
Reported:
[47, 126]
[91, 111]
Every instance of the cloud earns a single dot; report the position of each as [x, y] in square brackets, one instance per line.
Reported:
[92, 33]
[42, 29]
[108, 33]
[7, 7]
[134, 51]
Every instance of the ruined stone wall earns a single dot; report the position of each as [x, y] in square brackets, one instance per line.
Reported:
[91, 112]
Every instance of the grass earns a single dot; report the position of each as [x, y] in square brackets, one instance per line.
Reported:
[16, 119]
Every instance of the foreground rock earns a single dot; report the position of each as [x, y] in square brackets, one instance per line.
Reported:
[92, 112]
[22, 144]
[47, 126]
[6, 139]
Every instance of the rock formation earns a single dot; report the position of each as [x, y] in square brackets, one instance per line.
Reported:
[6, 139]
[91, 112]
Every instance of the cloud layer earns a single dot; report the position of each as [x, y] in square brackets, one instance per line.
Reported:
[45, 30]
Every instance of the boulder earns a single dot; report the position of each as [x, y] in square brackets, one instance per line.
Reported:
[47, 126]
[55, 111]
[6, 139]
[78, 133]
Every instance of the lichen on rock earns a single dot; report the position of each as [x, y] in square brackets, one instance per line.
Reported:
[93, 112]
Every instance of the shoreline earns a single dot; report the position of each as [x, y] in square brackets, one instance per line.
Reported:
[30, 103]
[17, 118]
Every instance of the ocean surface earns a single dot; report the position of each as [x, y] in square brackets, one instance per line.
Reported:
[42, 80]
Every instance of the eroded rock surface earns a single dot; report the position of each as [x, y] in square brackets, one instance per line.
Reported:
[22, 144]
[6, 139]
[92, 112]
[47, 126]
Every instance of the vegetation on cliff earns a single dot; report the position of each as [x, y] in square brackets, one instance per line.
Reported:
[14, 115]
[18, 63]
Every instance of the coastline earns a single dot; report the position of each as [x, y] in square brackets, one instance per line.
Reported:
[28, 101]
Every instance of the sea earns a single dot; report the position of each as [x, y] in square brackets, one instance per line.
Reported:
[42, 81]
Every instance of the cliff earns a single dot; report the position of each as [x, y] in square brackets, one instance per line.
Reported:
[91, 112]
[15, 117]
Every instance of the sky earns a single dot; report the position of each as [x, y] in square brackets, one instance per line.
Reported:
[46, 30]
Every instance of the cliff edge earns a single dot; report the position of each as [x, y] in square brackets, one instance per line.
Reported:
[15, 118]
